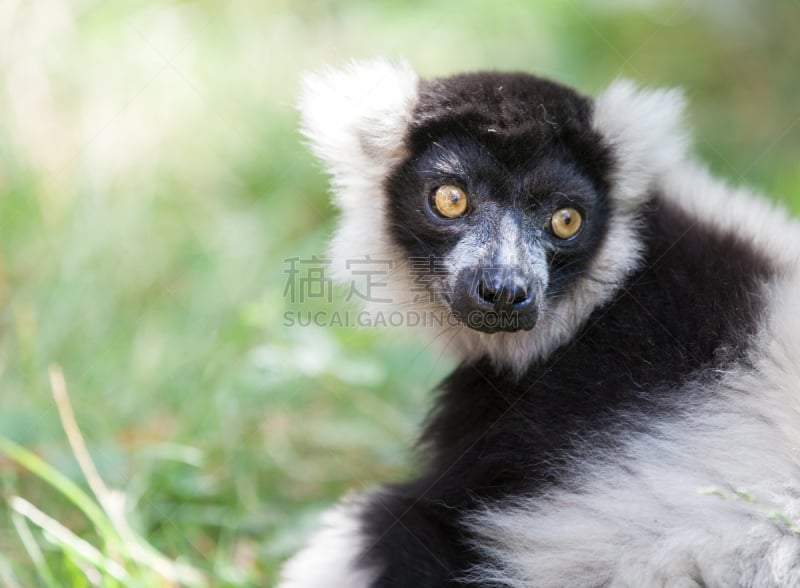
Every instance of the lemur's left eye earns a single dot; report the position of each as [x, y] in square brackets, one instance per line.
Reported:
[450, 201]
[566, 223]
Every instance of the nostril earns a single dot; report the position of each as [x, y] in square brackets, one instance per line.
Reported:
[519, 293]
[502, 295]
[487, 293]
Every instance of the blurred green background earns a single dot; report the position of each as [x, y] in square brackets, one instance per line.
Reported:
[152, 181]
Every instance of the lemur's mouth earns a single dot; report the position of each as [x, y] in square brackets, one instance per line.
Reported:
[494, 300]
[492, 321]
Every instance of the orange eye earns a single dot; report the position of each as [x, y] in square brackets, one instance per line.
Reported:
[566, 223]
[450, 201]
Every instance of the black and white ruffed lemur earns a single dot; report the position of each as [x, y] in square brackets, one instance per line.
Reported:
[626, 411]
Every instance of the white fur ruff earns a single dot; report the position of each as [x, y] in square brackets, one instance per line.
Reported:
[329, 558]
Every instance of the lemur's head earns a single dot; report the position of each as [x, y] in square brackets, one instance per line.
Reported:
[513, 201]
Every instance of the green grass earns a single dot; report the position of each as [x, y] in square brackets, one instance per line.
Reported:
[152, 183]
[122, 557]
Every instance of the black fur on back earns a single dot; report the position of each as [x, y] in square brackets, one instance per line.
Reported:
[687, 314]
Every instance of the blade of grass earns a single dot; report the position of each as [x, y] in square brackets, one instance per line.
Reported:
[7, 577]
[67, 540]
[65, 487]
[59, 388]
[34, 551]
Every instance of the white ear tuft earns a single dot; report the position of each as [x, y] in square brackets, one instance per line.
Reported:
[356, 117]
[646, 132]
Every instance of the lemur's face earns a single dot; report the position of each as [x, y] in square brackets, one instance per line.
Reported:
[504, 190]
[516, 201]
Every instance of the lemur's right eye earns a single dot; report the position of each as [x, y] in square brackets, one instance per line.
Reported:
[450, 201]
[566, 223]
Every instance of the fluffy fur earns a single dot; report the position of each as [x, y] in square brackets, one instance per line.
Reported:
[355, 120]
[645, 431]
[331, 558]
